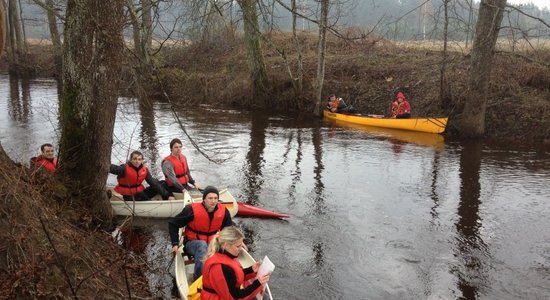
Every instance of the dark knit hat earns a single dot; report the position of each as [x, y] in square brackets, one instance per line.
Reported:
[209, 189]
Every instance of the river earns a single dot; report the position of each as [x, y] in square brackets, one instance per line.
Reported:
[374, 214]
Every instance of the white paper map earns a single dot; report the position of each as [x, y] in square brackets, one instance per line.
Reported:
[266, 267]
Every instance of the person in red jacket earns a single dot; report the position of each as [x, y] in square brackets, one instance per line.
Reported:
[223, 277]
[130, 177]
[46, 160]
[202, 221]
[400, 108]
[176, 170]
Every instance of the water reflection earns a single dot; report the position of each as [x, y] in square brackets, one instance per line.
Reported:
[148, 134]
[20, 99]
[396, 136]
[319, 204]
[471, 249]
[433, 189]
[254, 158]
[297, 172]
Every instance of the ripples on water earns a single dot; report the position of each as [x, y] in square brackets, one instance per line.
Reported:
[375, 214]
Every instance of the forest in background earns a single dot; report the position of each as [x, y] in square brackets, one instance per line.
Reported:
[390, 19]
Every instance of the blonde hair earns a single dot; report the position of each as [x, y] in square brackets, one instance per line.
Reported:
[229, 234]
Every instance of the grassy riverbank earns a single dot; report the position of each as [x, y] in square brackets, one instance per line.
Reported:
[363, 72]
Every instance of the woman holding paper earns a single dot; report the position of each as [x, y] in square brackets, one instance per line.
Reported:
[223, 276]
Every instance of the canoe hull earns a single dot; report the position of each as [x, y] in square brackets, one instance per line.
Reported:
[166, 208]
[246, 210]
[430, 125]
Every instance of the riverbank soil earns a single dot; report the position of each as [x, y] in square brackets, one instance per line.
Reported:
[366, 72]
[50, 250]
[363, 71]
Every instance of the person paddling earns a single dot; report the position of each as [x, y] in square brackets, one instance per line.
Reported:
[202, 221]
[400, 108]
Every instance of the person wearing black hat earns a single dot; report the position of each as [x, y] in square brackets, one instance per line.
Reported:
[202, 221]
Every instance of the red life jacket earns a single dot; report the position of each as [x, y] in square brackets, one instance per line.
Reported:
[180, 168]
[130, 184]
[201, 228]
[208, 292]
[48, 165]
[334, 104]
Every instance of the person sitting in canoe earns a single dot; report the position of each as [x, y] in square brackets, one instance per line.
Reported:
[130, 177]
[46, 161]
[223, 276]
[400, 108]
[202, 221]
[176, 170]
[337, 105]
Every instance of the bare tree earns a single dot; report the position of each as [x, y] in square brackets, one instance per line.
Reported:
[298, 87]
[256, 63]
[91, 66]
[472, 121]
[443, 84]
[16, 38]
[321, 51]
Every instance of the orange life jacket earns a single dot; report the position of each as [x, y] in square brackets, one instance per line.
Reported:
[180, 168]
[201, 228]
[130, 184]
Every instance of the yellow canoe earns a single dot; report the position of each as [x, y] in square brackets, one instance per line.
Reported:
[430, 125]
[415, 137]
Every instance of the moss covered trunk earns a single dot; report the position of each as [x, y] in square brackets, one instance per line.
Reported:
[91, 66]
[256, 63]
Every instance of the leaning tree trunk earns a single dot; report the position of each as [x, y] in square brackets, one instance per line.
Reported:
[322, 47]
[256, 64]
[91, 69]
[472, 121]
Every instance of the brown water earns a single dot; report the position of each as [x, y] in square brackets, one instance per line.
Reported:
[374, 214]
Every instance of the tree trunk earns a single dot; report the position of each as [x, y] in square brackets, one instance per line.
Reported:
[322, 47]
[472, 121]
[91, 69]
[444, 93]
[2, 26]
[300, 75]
[256, 64]
[16, 36]
[56, 39]
[469, 24]
[146, 6]
[142, 45]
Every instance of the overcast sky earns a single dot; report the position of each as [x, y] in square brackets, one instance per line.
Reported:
[539, 3]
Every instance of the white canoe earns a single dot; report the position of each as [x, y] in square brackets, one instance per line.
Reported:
[158, 208]
[184, 271]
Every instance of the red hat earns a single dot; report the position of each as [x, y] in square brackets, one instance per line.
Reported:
[400, 95]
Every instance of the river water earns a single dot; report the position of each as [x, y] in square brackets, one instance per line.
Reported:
[374, 214]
